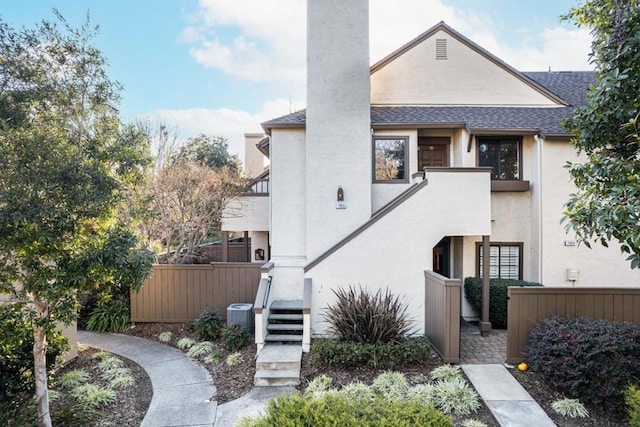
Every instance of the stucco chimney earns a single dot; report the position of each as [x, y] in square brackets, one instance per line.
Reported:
[338, 137]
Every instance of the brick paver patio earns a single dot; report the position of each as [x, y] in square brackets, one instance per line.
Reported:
[476, 349]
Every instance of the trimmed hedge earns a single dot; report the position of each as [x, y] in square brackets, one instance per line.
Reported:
[333, 410]
[592, 360]
[332, 351]
[497, 297]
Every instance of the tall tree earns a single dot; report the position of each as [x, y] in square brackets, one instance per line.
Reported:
[606, 205]
[69, 170]
[211, 151]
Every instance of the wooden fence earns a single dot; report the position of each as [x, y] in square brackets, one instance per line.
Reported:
[529, 305]
[177, 293]
[442, 315]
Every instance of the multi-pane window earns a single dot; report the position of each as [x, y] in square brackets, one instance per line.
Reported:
[389, 158]
[502, 155]
[505, 261]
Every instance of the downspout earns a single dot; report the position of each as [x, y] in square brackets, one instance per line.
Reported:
[540, 140]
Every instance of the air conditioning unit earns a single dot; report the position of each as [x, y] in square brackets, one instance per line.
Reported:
[240, 314]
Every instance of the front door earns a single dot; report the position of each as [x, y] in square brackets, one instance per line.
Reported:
[441, 260]
[433, 152]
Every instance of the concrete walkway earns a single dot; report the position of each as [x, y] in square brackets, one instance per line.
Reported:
[184, 394]
[183, 391]
[504, 396]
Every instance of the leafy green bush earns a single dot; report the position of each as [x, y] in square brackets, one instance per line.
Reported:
[408, 352]
[497, 297]
[592, 360]
[361, 316]
[208, 326]
[455, 396]
[632, 400]
[391, 385]
[16, 352]
[111, 316]
[335, 409]
[235, 337]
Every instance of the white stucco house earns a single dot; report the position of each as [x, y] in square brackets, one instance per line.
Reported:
[404, 165]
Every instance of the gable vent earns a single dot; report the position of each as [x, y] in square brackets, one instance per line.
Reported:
[441, 48]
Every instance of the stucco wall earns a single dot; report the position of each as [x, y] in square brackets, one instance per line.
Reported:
[338, 124]
[599, 266]
[464, 78]
[254, 160]
[395, 251]
[247, 213]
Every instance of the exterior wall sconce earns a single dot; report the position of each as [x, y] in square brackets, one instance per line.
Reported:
[340, 194]
[340, 203]
[259, 254]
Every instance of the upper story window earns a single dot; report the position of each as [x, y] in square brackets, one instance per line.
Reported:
[390, 158]
[503, 155]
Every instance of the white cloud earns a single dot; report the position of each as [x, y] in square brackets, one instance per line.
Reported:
[225, 122]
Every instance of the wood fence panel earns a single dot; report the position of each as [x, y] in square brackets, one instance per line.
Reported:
[530, 305]
[178, 293]
[442, 315]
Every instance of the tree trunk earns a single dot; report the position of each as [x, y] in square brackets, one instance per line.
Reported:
[40, 372]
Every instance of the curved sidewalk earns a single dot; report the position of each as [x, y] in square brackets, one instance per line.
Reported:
[183, 391]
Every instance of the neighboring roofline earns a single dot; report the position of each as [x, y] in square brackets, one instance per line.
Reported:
[263, 146]
[426, 125]
[501, 131]
[472, 45]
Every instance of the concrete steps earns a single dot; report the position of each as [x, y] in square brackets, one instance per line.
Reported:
[285, 322]
[278, 365]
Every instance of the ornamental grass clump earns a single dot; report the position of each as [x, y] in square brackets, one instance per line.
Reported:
[165, 337]
[200, 349]
[357, 392]
[318, 386]
[186, 343]
[422, 393]
[571, 408]
[446, 372]
[391, 386]
[73, 379]
[455, 396]
[361, 316]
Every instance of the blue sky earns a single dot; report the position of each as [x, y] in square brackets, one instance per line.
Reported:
[221, 67]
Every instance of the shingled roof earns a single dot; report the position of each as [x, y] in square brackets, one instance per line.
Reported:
[570, 86]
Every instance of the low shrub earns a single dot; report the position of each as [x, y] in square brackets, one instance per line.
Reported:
[362, 316]
[497, 297]
[200, 349]
[571, 408]
[111, 316]
[335, 409]
[208, 326]
[455, 396]
[391, 385]
[632, 400]
[235, 337]
[591, 360]
[407, 352]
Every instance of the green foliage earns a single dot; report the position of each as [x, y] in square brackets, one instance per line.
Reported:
[208, 326]
[200, 349]
[571, 408]
[122, 382]
[497, 297]
[317, 386]
[101, 355]
[421, 393]
[211, 151]
[112, 316]
[357, 392]
[391, 385]
[593, 360]
[16, 357]
[165, 337]
[408, 352]
[185, 343]
[235, 337]
[213, 357]
[606, 204]
[234, 359]
[334, 409]
[92, 396]
[455, 396]
[632, 401]
[446, 372]
[109, 363]
[114, 373]
[73, 378]
[364, 317]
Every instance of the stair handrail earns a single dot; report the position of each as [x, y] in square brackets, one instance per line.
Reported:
[262, 296]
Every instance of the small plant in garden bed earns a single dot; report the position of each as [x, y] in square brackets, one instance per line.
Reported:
[208, 326]
[110, 316]
[186, 343]
[200, 349]
[165, 337]
[571, 408]
[234, 359]
[358, 315]
[235, 337]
